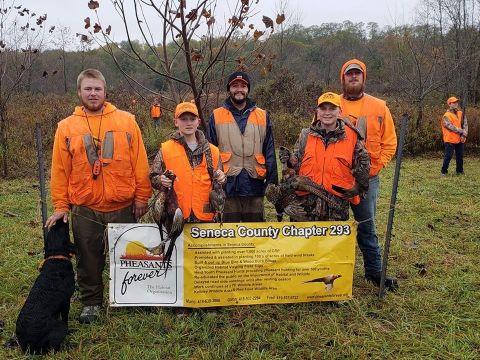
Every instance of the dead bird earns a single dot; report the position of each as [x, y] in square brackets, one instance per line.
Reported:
[287, 201]
[167, 213]
[217, 198]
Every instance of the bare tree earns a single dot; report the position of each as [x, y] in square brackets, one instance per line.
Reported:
[187, 46]
[21, 39]
[436, 54]
[63, 41]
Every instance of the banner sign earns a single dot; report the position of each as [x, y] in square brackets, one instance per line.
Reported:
[232, 264]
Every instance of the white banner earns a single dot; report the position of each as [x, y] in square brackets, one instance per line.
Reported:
[138, 275]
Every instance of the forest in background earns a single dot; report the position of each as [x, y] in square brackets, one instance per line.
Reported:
[414, 67]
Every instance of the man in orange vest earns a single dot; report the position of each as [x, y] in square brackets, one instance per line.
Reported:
[193, 160]
[373, 120]
[455, 131]
[243, 133]
[156, 112]
[332, 154]
[100, 173]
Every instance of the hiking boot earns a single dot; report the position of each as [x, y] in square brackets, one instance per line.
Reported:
[390, 282]
[89, 314]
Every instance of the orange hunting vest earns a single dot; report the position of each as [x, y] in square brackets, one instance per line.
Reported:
[456, 120]
[331, 165]
[192, 186]
[155, 111]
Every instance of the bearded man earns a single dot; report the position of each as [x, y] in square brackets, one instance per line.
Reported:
[243, 133]
[372, 118]
[99, 174]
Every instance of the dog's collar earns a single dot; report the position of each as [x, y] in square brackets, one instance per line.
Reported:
[60, 257]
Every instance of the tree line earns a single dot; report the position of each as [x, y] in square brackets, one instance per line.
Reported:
[189, 56]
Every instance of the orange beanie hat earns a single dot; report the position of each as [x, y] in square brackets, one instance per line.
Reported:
[353, 64]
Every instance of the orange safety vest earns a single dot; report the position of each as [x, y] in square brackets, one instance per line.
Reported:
[155, 111]
[331, 165]
[448, 135]
[192, 186]
[242, 151]
[370, 125]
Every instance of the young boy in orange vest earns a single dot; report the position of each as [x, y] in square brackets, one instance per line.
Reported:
[331, 153]
[193, 160]
[455, 131]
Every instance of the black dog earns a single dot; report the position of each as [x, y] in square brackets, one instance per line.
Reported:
[39, 328]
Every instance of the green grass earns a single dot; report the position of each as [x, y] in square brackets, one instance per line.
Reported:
[434, 315]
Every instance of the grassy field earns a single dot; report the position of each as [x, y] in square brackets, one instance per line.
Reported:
[435, 254]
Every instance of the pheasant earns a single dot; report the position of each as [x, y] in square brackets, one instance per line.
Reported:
[285, 199]
[217, 199]
[167, 213]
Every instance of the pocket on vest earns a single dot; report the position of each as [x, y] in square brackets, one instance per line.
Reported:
[81, 189]
[342, 172]
[225, 156]
[260, 166]
[119, 186]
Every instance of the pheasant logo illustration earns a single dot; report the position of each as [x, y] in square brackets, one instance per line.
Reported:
[327, 280]
[136, 250]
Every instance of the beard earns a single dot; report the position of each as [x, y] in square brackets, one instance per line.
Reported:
[353, 90]
[238, 101]
[93, 108]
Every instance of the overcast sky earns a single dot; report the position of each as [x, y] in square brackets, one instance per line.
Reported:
[70, 13]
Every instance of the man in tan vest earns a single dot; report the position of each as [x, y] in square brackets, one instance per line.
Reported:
[243, 133]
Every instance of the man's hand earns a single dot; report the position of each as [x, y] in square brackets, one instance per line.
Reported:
[165, 181]
[139, 209]
[220, 177]
[56, 216]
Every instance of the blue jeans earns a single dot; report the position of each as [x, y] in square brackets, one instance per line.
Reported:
[449, 148]
[367, 238]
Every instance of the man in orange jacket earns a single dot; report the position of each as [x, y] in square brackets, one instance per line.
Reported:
[372, 118]
[100, 173]
[455, 131]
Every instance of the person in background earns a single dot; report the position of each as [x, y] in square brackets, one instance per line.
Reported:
[373, 120]
[455, 131]
[243, 133]
[156, 112]
[99, 174]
